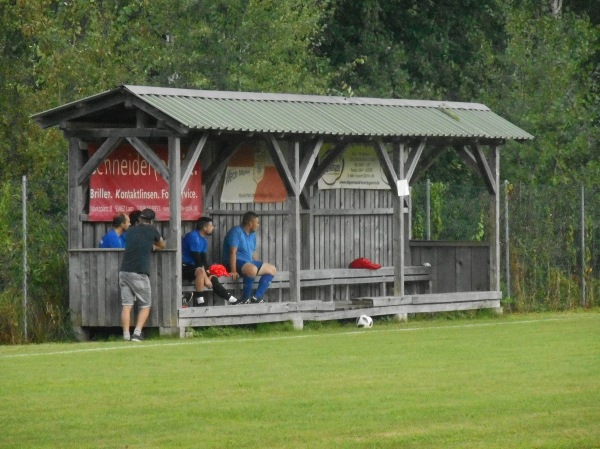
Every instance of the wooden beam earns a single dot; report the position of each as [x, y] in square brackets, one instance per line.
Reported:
[162, 118]
[426, 162]
[469, 159]
[294, 236]
[224, 153]
[387, 166]
[147, 153]
[211, 176]
[187, 167]
[308, 163]
[171, 304]
[100, 155]
[102, 133]
[324, 165]
[77, 110]
[495, 237]
[281, 165]
[75, 231]
[413, 160]
[398, 239]
[484, 168]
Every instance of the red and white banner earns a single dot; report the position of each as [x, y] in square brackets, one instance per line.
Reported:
[126, 181]
[251, 177]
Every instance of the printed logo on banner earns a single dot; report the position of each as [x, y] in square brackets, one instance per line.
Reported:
[126, 181]
[251, 177]
[357, 168]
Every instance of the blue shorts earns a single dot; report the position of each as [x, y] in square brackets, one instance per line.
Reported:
[241, 263]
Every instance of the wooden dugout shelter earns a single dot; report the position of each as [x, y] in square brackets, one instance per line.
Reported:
[311, 236]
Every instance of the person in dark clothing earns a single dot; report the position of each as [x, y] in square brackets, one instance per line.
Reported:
[134, 280]
[195, 264]
[134, 216]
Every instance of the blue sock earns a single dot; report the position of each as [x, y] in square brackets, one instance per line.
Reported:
[263, 285]
[248, 283]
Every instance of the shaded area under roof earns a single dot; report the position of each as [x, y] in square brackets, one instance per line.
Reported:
[303, 114]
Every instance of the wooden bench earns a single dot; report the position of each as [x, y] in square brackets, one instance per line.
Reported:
[332, 277]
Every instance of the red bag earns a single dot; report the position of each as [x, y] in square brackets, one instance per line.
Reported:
[218, 270]
[363, 262]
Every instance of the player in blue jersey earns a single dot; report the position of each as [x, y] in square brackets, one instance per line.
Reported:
[195, 264]
[115, 238]
[240, 257]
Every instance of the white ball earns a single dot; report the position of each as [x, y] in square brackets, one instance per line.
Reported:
[364, 321]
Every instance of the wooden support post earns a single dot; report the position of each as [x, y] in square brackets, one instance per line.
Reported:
[495, 234]
[295, 256]
[399, 228]
[75, 234]
[174, 237]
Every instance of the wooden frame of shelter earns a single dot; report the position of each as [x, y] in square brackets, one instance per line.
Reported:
[407, 137]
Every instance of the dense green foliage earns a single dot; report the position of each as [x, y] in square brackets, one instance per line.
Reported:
[535, 66]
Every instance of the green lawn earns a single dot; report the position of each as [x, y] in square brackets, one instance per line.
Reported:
[525, 381]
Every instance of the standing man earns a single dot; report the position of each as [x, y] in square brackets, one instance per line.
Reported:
[195, 264]
[115, 238]
[134, 279]
[239, 255]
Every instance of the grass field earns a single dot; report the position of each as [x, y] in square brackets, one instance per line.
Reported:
[521, 381]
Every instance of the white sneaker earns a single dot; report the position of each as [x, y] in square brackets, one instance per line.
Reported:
[199, 300]
[232, 299]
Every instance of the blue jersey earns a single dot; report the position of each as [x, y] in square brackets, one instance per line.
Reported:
[192, 242]
[112, 240]
[245, 244]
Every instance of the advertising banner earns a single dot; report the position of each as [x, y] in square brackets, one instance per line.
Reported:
[126, 181]
[251, 177]
[357, 168]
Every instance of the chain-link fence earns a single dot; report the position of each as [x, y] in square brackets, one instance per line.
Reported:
[33, 256]
[550, 241]
[549, 237]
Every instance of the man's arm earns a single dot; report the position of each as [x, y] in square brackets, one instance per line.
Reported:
[160, 244]
[233, 261]
[200, 259]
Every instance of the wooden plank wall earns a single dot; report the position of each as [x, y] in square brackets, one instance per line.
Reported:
[94, 288]
[457, 266]
[340, 226]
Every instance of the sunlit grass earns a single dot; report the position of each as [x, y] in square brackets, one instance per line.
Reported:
[528, 381]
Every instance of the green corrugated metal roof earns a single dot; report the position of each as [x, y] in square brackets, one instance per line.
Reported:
[322, 115]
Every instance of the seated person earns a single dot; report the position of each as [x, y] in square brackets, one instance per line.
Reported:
[195, 265]
[115, 238]
[240, 257]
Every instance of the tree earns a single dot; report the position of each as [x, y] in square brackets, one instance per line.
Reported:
[544, 83]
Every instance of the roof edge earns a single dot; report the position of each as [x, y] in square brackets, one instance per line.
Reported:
[323, 99]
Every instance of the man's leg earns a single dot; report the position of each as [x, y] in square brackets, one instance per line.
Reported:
[143, 293]
[127, 300]
[126, 319]
[248, 271]
[220, 290]
[266, 273]
[143, 314]
[201, 281]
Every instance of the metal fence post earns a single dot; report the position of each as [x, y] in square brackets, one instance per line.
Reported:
[583, 301]
[428, 209]
[24, 201]
[506, 239]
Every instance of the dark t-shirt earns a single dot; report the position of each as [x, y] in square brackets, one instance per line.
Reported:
[138, 248]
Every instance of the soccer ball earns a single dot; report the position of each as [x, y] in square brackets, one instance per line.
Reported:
[364, 321]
